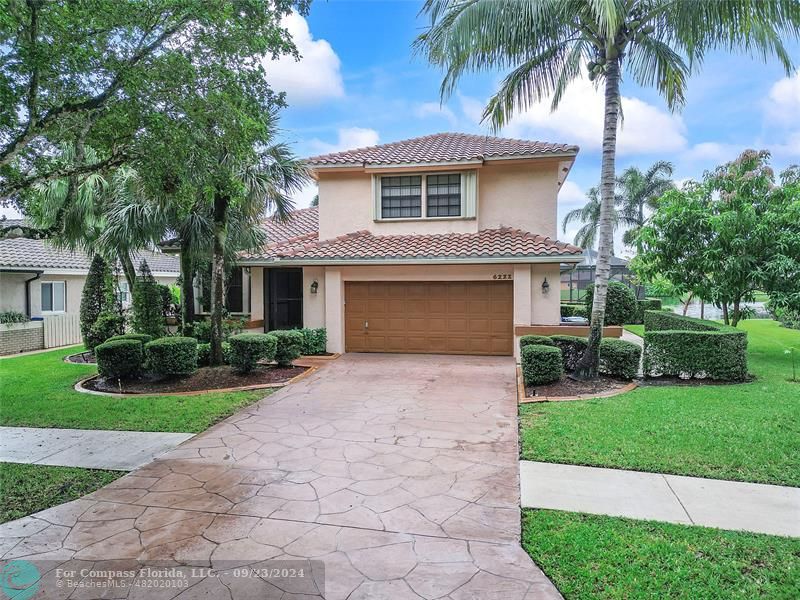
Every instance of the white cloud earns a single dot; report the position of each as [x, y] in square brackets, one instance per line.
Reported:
[303, 198]
[571, 195]
[783, 102]
[434, 109]
[646, 129]
[316, 77]
[348, 138]
[472, 108]
[714, 152]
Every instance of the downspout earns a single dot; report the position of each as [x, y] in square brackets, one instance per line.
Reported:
[28, 293]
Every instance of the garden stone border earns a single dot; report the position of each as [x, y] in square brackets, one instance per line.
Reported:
[67, 360]
[304, 361]
[522, 399]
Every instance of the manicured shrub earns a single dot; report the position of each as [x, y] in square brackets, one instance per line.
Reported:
[572, 348]
[119, 359]
[148, 311]
[643, 305]
[685, 347]
[248, 348]
[541, 364]
[619, 358]
[171, 355]
[107, 325]
[95, 300]
[573, 309]
[620, 303]
[204, 354]
[202, 329]
[142, 338]
[530, 340]
[314, 341]
[290, 345]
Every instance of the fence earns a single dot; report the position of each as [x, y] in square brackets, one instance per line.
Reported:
[62, 330]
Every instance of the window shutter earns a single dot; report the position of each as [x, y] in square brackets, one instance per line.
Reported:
[376, 197]
[469, 194]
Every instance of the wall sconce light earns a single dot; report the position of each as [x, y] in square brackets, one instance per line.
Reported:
[314, 286]
[545, 286]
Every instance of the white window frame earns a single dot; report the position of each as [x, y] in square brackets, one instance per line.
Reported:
[126, 292]
[63, 284]
[468, 207]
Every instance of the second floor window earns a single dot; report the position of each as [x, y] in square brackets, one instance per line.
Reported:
[401, 197]
[444, 195]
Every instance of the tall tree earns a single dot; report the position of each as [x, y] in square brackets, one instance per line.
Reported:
[547, 44]
[589, 217]
[639, 192]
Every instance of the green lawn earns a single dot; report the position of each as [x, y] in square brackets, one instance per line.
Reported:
[637, 329]
[745, 432]
[36, 391]
[590, 556]
[26, 489]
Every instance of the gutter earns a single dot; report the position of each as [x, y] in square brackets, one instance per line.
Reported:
[28, 292]
[576, 258]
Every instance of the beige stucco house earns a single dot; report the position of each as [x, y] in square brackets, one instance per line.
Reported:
[439, 244]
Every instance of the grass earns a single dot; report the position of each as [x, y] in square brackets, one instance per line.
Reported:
[637, 329]
[36, 391]
[26, 489]
[745, 432]
[590, 556]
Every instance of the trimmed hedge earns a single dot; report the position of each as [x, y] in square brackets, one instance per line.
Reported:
[619, 358]
[686, 347]
[248, 348]
[119, 359]
[171, 355]
[290, 345]
[142, 338]
[204, 354]
[530, 340]
[315, 341]
[572, 348]
[642, 306]
[574, 309]
[620, 303]
[108, 324]
[541, 364]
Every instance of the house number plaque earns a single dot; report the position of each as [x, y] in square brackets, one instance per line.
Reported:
[502, 276]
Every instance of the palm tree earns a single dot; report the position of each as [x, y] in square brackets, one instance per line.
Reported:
[640, 191]
[589, 217]
[547, 44]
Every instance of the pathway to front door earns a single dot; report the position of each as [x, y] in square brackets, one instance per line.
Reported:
[399, 473]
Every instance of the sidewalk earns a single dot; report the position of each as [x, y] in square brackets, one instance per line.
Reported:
[89, 448]
[733, 505]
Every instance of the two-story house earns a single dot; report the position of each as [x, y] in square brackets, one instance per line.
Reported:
[440, 244]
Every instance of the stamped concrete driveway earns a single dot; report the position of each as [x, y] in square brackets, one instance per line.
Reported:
[399, 472]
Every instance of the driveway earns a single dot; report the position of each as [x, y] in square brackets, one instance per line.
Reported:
[398, 473]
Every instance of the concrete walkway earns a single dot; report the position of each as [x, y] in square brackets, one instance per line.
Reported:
[395, 475]
[89, 448]
[733, 505]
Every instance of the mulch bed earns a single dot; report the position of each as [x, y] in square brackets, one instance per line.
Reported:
[82, 358]
[205, 378]
[570, 387]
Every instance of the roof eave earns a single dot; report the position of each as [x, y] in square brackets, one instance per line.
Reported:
[538, 259]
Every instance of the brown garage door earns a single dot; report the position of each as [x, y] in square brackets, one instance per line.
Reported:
[443, 317]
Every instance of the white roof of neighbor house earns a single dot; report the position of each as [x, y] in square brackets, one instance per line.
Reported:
[24, 253]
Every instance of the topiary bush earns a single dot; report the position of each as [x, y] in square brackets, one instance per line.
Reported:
[620, 303]
[642, 306]
[619, 358]
[290, 345]
[541, 364]
[119, 359]
[685, 347]
[148, 312]
[530, 340]
[573, 309]
[248, 348]
[314, 341]
[108, 324]
[171, 355]
[142, 338]
[94, 300]
[572, 348]
[204, 354]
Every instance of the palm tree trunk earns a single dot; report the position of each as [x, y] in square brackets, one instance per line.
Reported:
[128, 269]
[218, 277]
[589, 363]
[187, 289]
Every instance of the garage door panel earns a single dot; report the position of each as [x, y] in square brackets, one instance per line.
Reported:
[429, 317]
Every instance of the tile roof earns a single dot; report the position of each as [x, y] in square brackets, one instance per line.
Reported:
[21, 253]
[503, 242]
[300, 222]
[441, 148]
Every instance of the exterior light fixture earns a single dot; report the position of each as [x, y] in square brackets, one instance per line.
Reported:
[314, 286]
[545, 286]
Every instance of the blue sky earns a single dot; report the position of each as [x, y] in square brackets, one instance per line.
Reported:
[359, 83]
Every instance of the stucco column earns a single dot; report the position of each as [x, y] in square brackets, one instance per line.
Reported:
[522, 295]
[257, 293]
[334, 309]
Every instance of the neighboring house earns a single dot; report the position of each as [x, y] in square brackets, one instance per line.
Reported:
[576, 278]
[438, 244]
[38, 279]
